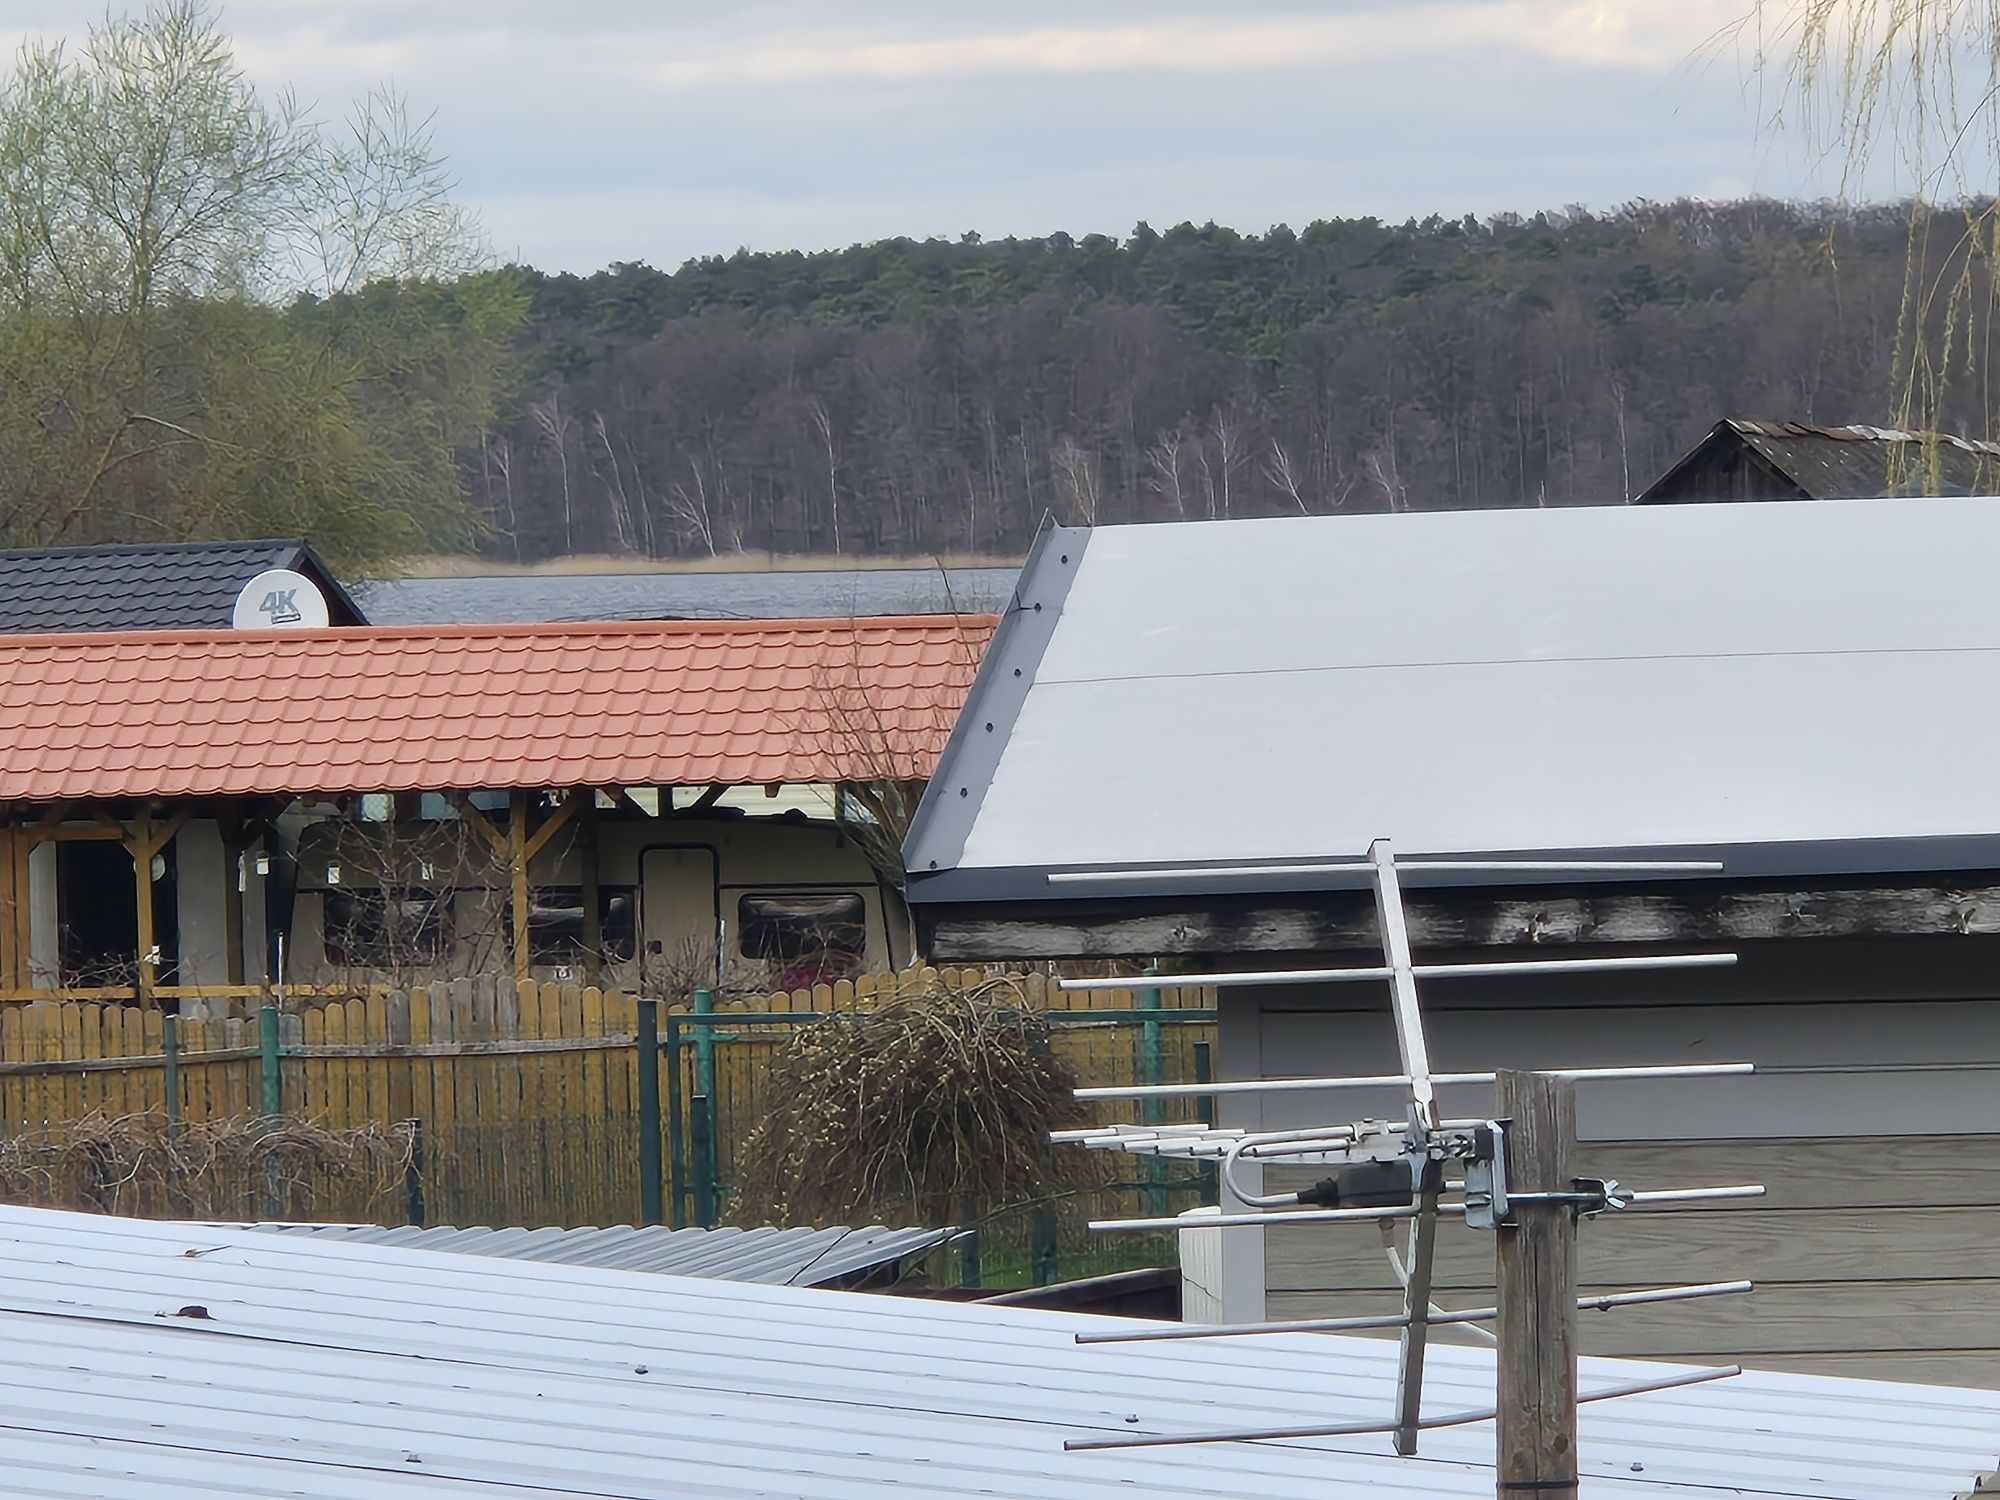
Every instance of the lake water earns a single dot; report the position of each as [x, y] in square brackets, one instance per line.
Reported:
[701, 596]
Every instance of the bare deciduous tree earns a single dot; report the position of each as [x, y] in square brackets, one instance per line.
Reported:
[1077, 479]
[1278, 468]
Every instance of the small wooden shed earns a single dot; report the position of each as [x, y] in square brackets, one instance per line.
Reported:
[1177, 722]
[1744, 460]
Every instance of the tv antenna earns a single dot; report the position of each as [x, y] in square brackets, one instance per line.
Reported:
[1508, 1173]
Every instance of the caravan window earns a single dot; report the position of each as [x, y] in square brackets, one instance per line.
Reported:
[815, 935]
[385, 929]
[555, 923]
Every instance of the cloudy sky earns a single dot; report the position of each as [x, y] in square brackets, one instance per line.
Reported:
[588, 131]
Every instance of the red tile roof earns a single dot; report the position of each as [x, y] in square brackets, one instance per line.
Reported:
[225, 713]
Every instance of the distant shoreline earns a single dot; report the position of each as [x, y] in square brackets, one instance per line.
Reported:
[728, 562]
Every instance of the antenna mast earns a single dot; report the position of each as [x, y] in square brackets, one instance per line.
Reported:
[1514, 1177]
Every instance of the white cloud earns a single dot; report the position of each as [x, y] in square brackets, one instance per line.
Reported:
[600, 130]
[1646, 34]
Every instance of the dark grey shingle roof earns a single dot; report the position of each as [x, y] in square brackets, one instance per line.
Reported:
[148, 586]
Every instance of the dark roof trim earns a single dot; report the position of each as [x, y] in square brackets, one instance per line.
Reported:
[339, 601]
[958, 788]
[1832, 858]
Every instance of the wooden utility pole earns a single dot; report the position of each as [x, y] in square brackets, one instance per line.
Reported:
[1535, 1275]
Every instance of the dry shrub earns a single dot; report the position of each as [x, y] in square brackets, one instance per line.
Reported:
[911, 1111]
[238, 1168]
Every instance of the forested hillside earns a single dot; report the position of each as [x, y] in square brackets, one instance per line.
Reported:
[908, 397]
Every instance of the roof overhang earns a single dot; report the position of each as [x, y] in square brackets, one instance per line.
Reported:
[1775, 688]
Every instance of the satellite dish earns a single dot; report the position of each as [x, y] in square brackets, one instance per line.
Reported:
[279, 599]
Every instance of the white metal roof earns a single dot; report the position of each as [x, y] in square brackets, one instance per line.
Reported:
[147, 1361]
[1788, 685]
[779, 1256]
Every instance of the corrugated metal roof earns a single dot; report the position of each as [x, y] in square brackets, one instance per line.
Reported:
[148, 1361]
[479, 707]
[1767, 684]
[149, 585]
[774, 1256]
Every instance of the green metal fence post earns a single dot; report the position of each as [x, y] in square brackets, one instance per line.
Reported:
[701, 1145]
[1042, 1251]
[704, 1045]
[676, 1128]
[267, 1058]
[274, 1104]
[413, 1175]
[1204, 1072]
[1152, 1109]
[705, 1132]
[649, 1112]
[170, 1053]
[968, 1245]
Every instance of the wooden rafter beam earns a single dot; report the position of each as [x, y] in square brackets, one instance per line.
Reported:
[555, 822]
[145, 845]
[479, 823]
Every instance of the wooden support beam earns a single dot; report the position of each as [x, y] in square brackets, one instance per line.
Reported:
[593, 908]
[1339, 922]
[704, 802]
[233, 849]
[1535, 1287]
[479, 823]
[517, 858]
[13, 897]
[555, 822]
[76, 833]
[140, 846]
[165, 835]
[24, 912]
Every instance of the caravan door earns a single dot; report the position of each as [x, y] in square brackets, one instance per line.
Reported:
[680, 918]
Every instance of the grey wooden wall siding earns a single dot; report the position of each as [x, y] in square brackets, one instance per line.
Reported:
[1875, 1124]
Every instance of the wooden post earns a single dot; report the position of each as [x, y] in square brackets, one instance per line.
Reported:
[234, 847]
[140, 844]
[13, 895]
[517, 859]
[593, 906]
[1535, 1275]
[22, 850]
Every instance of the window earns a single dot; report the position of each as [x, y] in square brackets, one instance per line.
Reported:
[812, 935]
[555, 923]
[385, 929]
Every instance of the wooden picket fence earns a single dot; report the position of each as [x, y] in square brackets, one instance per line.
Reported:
[527, 1094]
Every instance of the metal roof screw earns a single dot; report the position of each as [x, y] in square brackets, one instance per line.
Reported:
[640, 1370]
